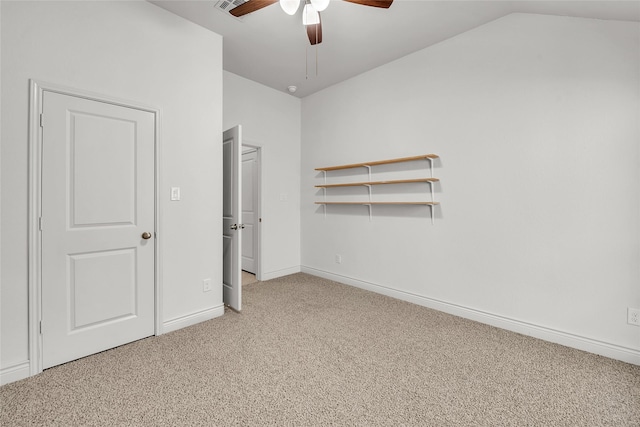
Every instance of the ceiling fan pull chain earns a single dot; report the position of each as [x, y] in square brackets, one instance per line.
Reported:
[307, 62]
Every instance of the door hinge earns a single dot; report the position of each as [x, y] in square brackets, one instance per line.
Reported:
[40, 223]
[41, 327]
[41, 120]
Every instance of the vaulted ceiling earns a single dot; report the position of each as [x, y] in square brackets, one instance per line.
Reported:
[272, 48]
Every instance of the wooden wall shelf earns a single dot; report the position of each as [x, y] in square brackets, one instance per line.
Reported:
[379, 203]
[370, 183]
[379, 162]
[396, 181]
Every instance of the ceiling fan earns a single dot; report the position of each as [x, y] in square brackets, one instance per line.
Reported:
[310, 12]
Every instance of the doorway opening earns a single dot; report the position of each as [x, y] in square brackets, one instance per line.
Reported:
[251, 213]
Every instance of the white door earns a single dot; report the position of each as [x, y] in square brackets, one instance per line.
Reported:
[249, 207]
[97, 201]
[232, 217]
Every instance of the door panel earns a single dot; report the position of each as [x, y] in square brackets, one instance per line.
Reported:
[96, 299]
[232, 217]
[98, 197]
[102, 147]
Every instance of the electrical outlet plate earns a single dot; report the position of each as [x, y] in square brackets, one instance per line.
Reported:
[338, 259]
[206, 285]
[633, 316]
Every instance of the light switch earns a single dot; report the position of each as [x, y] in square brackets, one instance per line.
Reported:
[283, 197]
[175, 193]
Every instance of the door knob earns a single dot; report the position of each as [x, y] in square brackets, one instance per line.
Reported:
[241, 226]
[234, 227]
[146, 235]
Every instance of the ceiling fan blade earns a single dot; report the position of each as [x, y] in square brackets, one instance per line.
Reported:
[314, 32]
[374, 3]
[251, 6]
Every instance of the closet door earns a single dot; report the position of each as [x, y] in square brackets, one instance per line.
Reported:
[98, 224]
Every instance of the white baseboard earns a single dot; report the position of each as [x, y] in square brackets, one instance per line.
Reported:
[590, 345]
[280, 273]
[13, 373]
[192, 319]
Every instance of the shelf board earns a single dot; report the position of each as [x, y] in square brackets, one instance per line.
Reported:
[379, 203]
[396, 181]
[379, 162]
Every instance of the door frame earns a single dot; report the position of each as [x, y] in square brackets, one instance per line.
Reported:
[258, 241]
[34, 239]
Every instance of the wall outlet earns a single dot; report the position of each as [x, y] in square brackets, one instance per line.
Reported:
[633, 316]
[206, 285]
[338, 259]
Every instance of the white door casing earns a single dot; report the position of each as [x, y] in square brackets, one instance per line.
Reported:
[249, 210]
[232, 217]
[97, 200]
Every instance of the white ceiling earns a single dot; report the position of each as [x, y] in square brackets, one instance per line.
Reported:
[271, 47]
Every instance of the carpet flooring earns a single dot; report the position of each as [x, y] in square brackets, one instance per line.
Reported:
[310, 352]
[248, 278]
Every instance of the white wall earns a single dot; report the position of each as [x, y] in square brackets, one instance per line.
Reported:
[536, 120]
[128, 50]
[271, 119]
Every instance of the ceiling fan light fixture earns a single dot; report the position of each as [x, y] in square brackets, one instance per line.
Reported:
[320, 5]
[310, 16]
[289, 6]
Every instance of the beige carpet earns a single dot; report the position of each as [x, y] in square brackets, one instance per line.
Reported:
[248, 278]
[309, 352]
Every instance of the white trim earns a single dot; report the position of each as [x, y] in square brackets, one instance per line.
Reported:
[33, 234]
[280, 273]
[13, 373]
[193, 318]
[158, 218]
[590, 345]
[36, 90]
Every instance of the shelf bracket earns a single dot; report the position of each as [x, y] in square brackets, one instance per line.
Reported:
[430, 160]
[370, 213]
[369, 188]
[324, 194]
[369, 170]
[433, 196]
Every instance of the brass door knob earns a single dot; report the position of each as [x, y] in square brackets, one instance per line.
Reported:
[146, 235]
